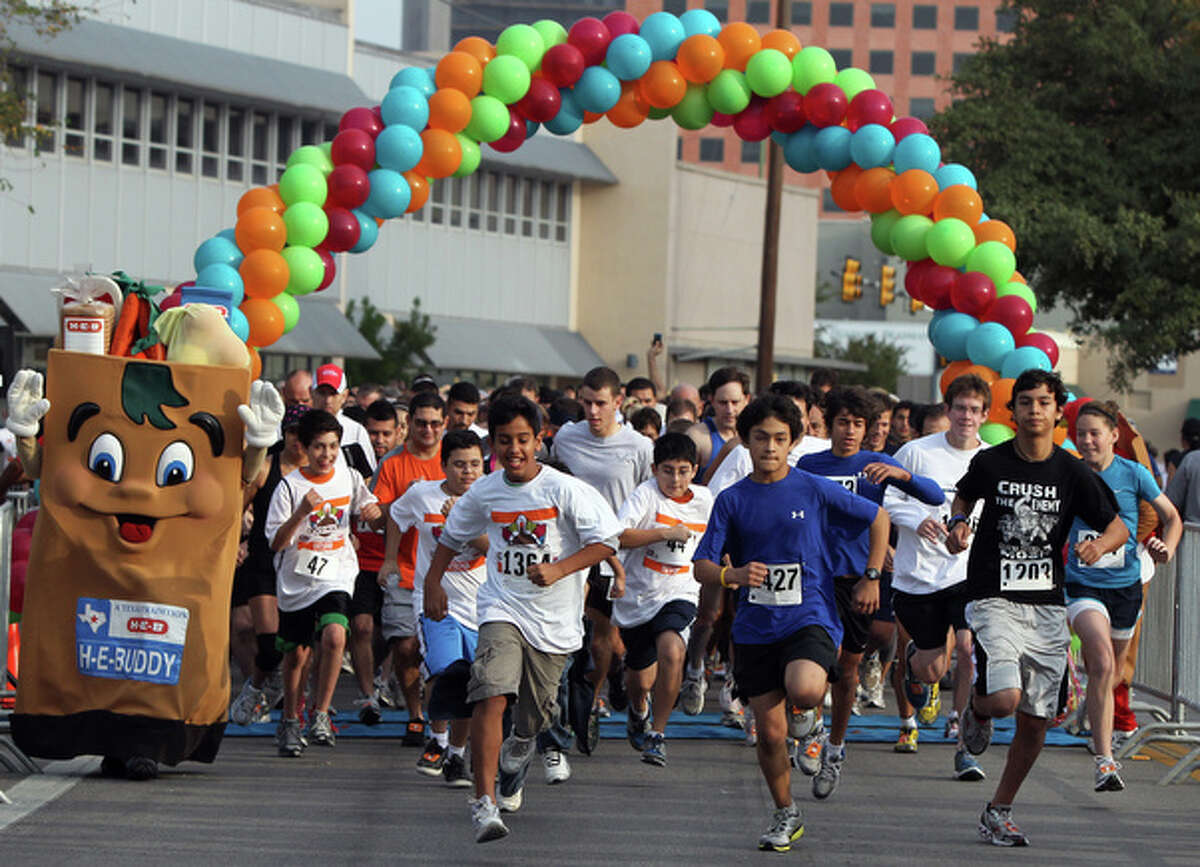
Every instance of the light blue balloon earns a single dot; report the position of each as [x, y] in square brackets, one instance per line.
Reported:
[531, 129]
[405, 105]
[217, 251]
[780, 138]
[415, 76]
[832, 148]
[239, 323]
[917, 151]
[597, 90]
[989, 344]
[628, 57]
[952, 333]
[569, 117]
[390, 194]
[954, 173]
[872, 146]
[664, 33]
[368, 231]
[799, 152]
[931, 329]
[225, 277]
[1023, 358]
[228, 234]
[398, 147]
[700, 21]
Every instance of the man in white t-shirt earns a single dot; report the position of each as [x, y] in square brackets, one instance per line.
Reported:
[330, 393]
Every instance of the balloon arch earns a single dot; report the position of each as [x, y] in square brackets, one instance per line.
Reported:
[334, 197]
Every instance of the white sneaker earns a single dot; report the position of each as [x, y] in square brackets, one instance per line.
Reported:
[510, 803]
[273, 690]
[514, 753]
[787, 826]
[485, 818]
[691, 695]
[245, 709]
[558, 769]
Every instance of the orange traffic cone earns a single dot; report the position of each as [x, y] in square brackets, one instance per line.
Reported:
[14, 656]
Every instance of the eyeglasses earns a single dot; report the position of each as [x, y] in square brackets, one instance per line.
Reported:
[425, 422]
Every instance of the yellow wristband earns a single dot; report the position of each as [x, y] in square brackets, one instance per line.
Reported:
[724, 569]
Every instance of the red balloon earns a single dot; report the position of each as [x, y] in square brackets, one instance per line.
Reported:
[869, 106]
[1043, 342]
[973, 294]
[175, 298]
[541, 102]
[914, 277]
[344, 229]
[354, 147]
[751, 123]
[514, 138]
[16, 586]
[361, 118]
[825, 104]
[620, 23]
[936, 286]
[785, 112]
[1071, 412]
[1013, 312]
[348, 186]
[903, 126]
[721, 119]
[591, 36]
[563, 64]
[330, 268]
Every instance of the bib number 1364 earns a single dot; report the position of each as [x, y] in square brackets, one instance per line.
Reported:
[781, 587]
[515, 563]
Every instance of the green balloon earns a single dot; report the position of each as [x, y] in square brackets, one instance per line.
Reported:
[881, 231]
[949, 242]
[694, 110]
[523, 41]
[305, 269]
[854, 81]
[506, 78]
[993, 433]
[659, 113]
[728, 93]
[307, 224]
[769, 72]
[551, 31]
[813, 65]
[313, 155]
[489, 118]
[289, 308]
[1021, 290]
[471, 155]
[908, 237]
[994, 259]
[302, 182]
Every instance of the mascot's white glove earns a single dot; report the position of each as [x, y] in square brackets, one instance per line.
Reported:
[26, 406]
[263, 416]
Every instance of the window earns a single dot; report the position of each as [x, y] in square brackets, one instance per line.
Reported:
[1006, 20]
[545, 209]
[160, 105]
[966, 17]
[924, 63]
[883, 14]
[492, 223]
[925, 17]
[310, 133]
[235, 165]
[881, 62]
[512, 185]
[75, 120]
[18, 84]
[131, 127]
[185, 135]
[675, 7]
[920, 107]
[720, 8]
[564, 212]
[527, 196]
[751, 151]
[712, 150]
[475, 201]
[959, 61]
[285, 141]
[47, 110]
[758, 11]
[841, 14]
[827, 202]
[843, 57]
[260, 133]
[802, 14]
[679, 147]
[210, 141]
[455, 197]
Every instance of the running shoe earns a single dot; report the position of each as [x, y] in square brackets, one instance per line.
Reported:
[655, 752]
[591, 735]
[966, 768]
[414, 733]
[950, 732]
[485, 819]
[825, 783]
[273, 690]
[801, 722]
[600, 709]
[691, 695]
[928, 715]
[509, 803]
[455, 772]
[874, 698]
[558, 769]
[976, 732]
[1107, 778]
[140, 768]
[1119, 738]
[347, 662]
[870, 680]
[514, 753]
[369, 712]
[787, 826]
[918, 694]
[907, 742]
[432, 759]
[320, 729]
[806, 755]
[636, 727]
[997, 827]
[751, 728]
[248, 705]
[289, 740]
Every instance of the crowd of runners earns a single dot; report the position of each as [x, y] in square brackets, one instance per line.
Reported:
[512, 568]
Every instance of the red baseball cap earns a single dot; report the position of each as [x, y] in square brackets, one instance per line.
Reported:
[333, 376]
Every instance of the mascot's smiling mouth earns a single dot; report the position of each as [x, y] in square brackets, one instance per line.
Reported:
[135, 529]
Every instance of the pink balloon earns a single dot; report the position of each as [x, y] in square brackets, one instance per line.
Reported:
[330, 268]
[751, 122]
[914, 278]
[619, 23]
[1014, 313]
[785, 112]
[354, 147]
[591, 36]
[825, 104]
[869, 106]
[344, 229]
[973, 294]
[563, 64]
[541, 102]
[1042, 341]
[903, 126]
[514, 138]
[721, 119]
[348, 184]
[361, 118]
[936, 286]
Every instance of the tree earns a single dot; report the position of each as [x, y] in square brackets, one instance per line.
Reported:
[1081, 131]
[403, 354]
[883, 358]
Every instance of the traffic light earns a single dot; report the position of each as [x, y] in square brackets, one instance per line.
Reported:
[914, 305]
[887, 285]
[852, 280]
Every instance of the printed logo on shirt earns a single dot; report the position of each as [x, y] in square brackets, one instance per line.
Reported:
[1026, 552]
[525, 528]
[323, 530]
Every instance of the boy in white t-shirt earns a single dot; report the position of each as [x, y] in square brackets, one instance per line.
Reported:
[664, 520]
[308, 524]
[545, 529]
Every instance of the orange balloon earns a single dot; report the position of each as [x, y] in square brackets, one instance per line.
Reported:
[995, 230]
[629, 110]
[1060, 434]
[260, 229]
[442, 154]
[1001, 395]
[913, 192]
[266, 321]
[255, 362]
[264, 273]
[419, 186]
[461, 71]
[741, 42]
[663, 85]
[873, 189]
[261, 197]
[1018, 277]
[700, 58]
[782, 40]
[960, 202]
[843, 189]
[477, 47]
[953, 372]
[591, 116]
[985, 373]
[449, 109]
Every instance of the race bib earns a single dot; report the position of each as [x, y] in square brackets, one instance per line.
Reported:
[673, 553]
[782, 586]
[1112, 560]
[850, 483]
[514, 562]
[1024, 575]
[310, 564]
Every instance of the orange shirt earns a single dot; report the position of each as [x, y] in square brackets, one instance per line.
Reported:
[394, 476]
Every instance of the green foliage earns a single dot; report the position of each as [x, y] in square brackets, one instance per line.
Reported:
[48, 19]
[1081, 131]
[883, 358]
[403, 354]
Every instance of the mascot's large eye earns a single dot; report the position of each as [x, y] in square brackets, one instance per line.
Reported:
[175, 464]
[106, 457]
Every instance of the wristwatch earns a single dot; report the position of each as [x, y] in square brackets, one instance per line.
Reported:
[871, 574]
[956, 520]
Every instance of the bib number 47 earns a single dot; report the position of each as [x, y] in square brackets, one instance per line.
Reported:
[314, 565]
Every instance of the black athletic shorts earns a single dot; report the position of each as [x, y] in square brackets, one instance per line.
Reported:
[856, 626]
[1123, 604]
[597, 591]
[299, 628]
[760, 668]
[641, 642]
[927, 617]
[884, 612]
[249, 582]
[368, 595]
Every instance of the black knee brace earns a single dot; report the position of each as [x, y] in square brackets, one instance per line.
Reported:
[269, 656]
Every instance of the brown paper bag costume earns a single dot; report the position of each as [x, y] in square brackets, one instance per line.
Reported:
[126, 623]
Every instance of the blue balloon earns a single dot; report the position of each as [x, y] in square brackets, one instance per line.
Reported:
[597, 90]
[398, 147]
[222, 276]
[700, 21]
[569, 117]
[390, 194]
[832, 148]
[368, 231]
[799, 152]
[239, 323]
[1023, 358]
[872, 145]
[989, 344]
[664, 33]
[530, 129]
[628, 57]
[917, 151]
[952, 333]
[954, 173]
[780, 138]
[228, 235]
[405, 105]
[931, 329]
[217, 251]
[415, 76]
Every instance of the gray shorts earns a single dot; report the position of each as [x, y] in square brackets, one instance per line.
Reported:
[396, 617]
[1020, 646]
[506, 664]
